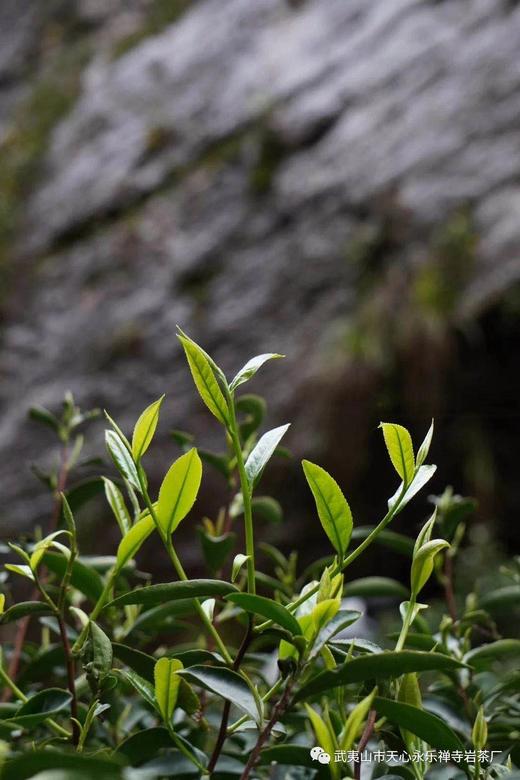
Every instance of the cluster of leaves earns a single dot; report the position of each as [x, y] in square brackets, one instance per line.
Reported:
[207, 677]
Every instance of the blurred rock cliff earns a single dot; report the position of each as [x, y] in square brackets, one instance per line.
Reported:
[338, 181]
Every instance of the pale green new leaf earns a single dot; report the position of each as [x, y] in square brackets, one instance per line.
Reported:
[355, 722]
[399, 445]
[145, 429]
[422, 565]
[179, 490]
[132, 541]
[422, 452]
[325, 737]
[101, 649]
[262, 452]
[117, 505]
[167, 683]
[122, 458]
[250, 369]
[205, 380]
[238, 562]
[333, 509]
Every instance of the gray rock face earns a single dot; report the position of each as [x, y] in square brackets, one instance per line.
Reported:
[147, 213]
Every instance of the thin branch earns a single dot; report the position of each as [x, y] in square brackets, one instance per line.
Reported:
[221, 738]
[276, 714]
[363, 742]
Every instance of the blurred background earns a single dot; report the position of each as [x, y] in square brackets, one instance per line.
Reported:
[336, 180]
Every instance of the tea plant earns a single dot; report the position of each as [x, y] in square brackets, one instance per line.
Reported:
[246, 673]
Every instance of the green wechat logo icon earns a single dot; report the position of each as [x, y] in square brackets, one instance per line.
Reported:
[318, 754]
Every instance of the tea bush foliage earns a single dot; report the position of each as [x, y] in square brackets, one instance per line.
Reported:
[245, 673]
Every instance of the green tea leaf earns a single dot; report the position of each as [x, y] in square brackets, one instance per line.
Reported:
[55, 763]
[117, 505]
[144, 745]
[262, 453]
[250, 369]
[400, 448]
[325, 738]
[378, 666]
[122, 458]
[139, 684]
[216, 548]
[132, 541]
[24, 608]
[355, 722]
[422, 564]
[238, 563]
[422, 477]
[485, 654]
[432, 729]
[145, 428]
[227, 684]
[267, 608]
[167, 683]
[367, 587]
[101, 650]
[205, 380]
[179, 490]
[500, 599]
[84, 578]
[422, 452]
[332, 506]
[152, 595]
[39, 707]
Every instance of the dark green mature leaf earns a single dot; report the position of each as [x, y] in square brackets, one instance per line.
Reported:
[83, 492]
[376, 586]
[484, 655]
[42, 665]
[400, 448]
[158, 616]
[145, 428]
[250, 369]
[168, 591]
[140, 662]
[122, 458]
[29, 764]
[225, 683]
[262, 453]
[205, 380]
[500, 599]
[267, 608]
[292, 755]
[144, 688]
[216, 548]
[423, 724]
[41, 706]
[84, 578]
[267, 508]
[179, 490]
[417, 641]
[144, 745]
[378, 666]
[333, 509]
[24, 608]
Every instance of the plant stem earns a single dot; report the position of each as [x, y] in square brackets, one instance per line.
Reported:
[246, 493]
[277, 712]
[265, 698]
[184, 750]
[406, 624]
[340, 567]
[71, 680]
[221, 738]
[167, 541]
[80, 641]
[363, 742]
[23, 625]
[198, 606]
